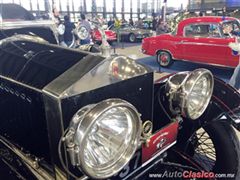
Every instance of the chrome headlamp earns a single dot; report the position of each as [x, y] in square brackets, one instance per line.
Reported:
[103, 137]
[61, 29]
[82, 33]
[189, 93]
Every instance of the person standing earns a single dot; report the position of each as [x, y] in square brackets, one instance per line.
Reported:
[161, 28]
[110, 22]
[154, 24]
[131, 22]
[85, 24]
[68, 34]
[140, 23]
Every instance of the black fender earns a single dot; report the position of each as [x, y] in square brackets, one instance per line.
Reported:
[226, 102]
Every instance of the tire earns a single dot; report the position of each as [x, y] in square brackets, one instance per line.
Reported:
[164, 58]
[226, 149]
[132, 38]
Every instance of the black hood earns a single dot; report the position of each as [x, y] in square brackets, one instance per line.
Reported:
[35, 64]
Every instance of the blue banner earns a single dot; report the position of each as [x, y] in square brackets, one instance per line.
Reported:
[233, 3]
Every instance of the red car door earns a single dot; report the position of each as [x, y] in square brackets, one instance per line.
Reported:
[204, 43]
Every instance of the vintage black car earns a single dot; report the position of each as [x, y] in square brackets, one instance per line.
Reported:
[17, 20]
[68, 114]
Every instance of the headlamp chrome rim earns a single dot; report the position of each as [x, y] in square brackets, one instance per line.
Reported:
[61, 29]
[82, 32]
[179, 88]
[196, 76]
[91, 114]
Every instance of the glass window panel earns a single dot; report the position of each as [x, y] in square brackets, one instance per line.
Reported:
[109, 6]
[127, 6]
[89, 5]
[64, 5]
[57, 5]
[143, 6]
[34, 6]
[99, 4]
[127, 17]
[118, 5]
[134, 6]
[202, 30]
[71, 3]
[119, 16]
[25, 3]
[6, 1]
[41, 5]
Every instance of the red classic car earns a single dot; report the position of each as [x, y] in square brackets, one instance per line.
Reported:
[96, 35]
[197, 39]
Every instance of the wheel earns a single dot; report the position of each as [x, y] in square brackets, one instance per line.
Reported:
[132, 38]
[164, 58]
[215, 148]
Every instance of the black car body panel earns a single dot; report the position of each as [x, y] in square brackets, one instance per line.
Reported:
[17, 20]
[38, 84]
[44, 32]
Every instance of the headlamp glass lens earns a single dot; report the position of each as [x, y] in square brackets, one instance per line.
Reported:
[199, 96]
[109, 137]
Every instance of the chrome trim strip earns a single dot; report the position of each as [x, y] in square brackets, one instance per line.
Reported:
[20, 83]
[33, 165]
[203, 44]
[19, 24]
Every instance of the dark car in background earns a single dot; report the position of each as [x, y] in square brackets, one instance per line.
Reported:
[17, 20]
[130, 33]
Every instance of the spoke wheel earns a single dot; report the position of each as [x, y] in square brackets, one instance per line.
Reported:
[205, 152]
[215, 148]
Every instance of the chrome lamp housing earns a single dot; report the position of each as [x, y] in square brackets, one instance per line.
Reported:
[82, 32]
[189, 93]
[103, 137]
